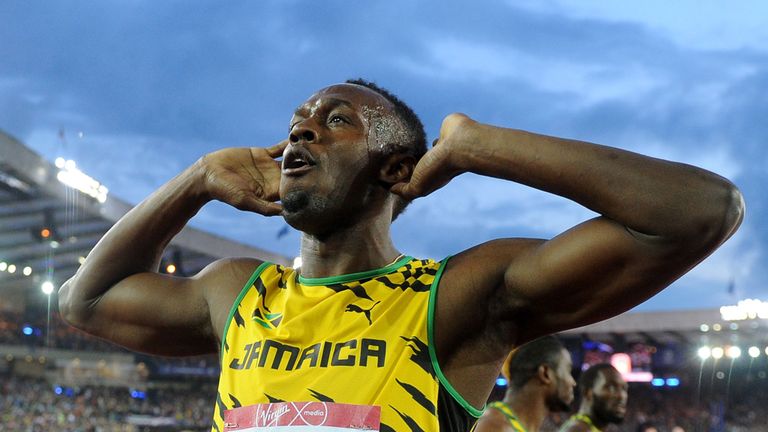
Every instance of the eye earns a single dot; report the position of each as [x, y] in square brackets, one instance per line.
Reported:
[337, 119]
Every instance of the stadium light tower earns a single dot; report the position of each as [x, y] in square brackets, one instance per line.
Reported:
[47, 287]
[717, 353]
[705, 352]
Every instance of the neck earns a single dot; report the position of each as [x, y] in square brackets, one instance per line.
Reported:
[529, 407]
[363, 246]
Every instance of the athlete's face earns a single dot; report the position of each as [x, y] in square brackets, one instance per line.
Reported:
[562, 396]
[330, 164]
[609, 396]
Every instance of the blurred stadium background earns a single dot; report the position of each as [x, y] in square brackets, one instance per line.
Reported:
[699, 370]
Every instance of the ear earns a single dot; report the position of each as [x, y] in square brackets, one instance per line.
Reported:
[545, 374]
[396, 168]
[588, 395]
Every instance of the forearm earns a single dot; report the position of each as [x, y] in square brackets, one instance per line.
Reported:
[648, 195]
[136, 242]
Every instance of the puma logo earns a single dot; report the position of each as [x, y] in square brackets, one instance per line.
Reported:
[358, 309]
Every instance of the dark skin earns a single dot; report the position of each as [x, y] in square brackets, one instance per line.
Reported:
[604, 403]
[658, 220]
[532, 402]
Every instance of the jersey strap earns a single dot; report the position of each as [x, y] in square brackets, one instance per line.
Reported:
[511, 417]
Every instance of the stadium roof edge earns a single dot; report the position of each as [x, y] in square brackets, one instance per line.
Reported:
[656, 321]
[31, 194]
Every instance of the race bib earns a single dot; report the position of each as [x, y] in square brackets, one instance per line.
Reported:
[302, 417]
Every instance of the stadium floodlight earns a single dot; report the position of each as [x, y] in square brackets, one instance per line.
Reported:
[704, 328]
[27, 271]
[766, 350]
[3, 266]
[76, 179]
[717, 353]
[47, 287]
[717, 327]
[705, 352]
[11, 268]
[733, 352]
[754, 351]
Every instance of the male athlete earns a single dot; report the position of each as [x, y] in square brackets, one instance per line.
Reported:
[540, 382]
[603, 400]
[439, 331]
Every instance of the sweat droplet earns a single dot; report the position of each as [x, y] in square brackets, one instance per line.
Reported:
[385, 129]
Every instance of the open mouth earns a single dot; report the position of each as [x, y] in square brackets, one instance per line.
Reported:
[297, 161]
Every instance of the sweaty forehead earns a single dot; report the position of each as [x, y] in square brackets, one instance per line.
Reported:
[356, 95]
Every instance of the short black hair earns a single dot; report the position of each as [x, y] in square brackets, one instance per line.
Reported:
[417, 143]
[523, 362]
[589, 377]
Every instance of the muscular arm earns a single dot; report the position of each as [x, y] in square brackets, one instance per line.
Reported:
[658, 219]
[117, 294]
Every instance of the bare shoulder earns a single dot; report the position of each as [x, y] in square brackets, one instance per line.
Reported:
[492, 421]
[221, 282]
[475, 321]
[476, 276]
[488, 261]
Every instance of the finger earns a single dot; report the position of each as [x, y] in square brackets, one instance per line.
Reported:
[260, 206]
[277, 149]
[404, 190]
[271, 209]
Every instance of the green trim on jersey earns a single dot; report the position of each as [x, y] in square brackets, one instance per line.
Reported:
[240, 296]
[354, 276]
[433, 355]
[505, 410]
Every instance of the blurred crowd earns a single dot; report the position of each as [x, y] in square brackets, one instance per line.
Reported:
[739, 408]
[41, 404]
[35, 405]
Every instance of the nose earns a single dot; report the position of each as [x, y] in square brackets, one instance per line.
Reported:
[302, 132]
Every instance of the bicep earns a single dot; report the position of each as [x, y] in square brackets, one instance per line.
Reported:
[160, 314]
[155, 313]
[591, 272]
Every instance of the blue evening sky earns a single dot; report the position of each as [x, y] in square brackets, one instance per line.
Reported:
[141, 89]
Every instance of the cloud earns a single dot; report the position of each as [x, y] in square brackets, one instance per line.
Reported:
[155, 85]
[465, 62]
[703, 26]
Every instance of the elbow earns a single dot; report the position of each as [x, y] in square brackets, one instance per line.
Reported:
[65, 302]
[726, 216]
[70, 310]
[733, 213]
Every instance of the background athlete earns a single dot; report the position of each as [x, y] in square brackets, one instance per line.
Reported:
[603, 400]
[353, 157]
[540, 382]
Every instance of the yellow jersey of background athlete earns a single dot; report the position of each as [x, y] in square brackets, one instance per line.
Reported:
[361, 338]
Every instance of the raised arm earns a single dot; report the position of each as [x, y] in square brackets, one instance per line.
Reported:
[118, 294]
[658, 219]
